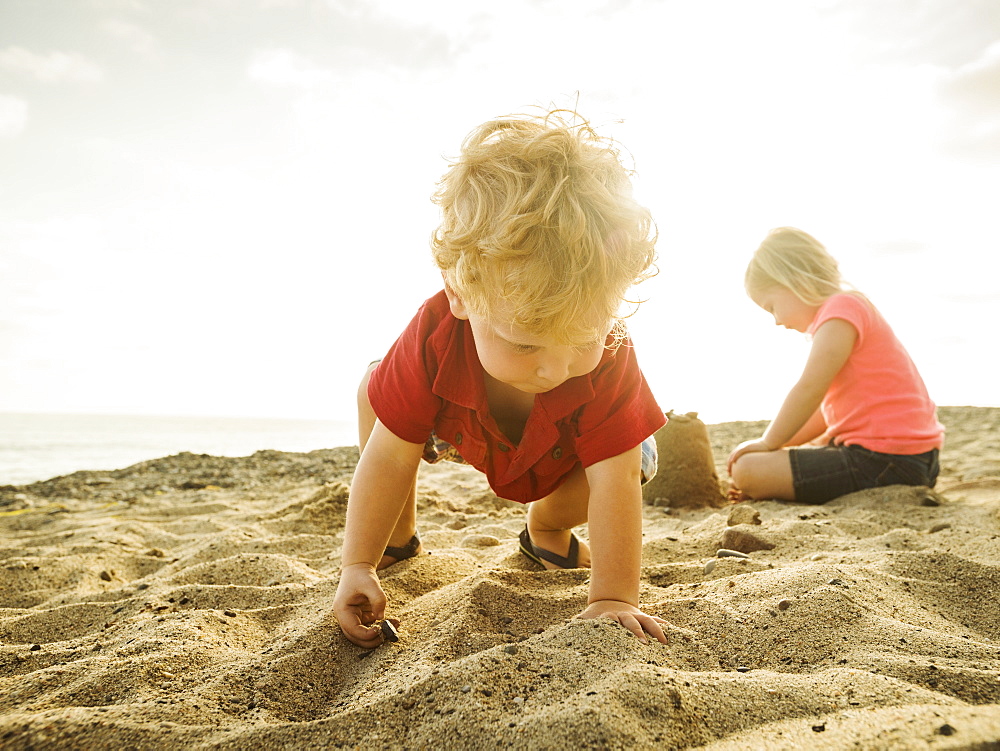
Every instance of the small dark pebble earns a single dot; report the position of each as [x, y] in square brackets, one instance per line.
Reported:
[743, 669]
[836, 583]
[819, 728]
[946, 729]
[105, 576]
[35, 647]
[726, 553]
[229, 613]
[783, 604]
[510, 649]
[389, 631]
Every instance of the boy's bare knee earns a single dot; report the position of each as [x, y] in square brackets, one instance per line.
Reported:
[363, 386]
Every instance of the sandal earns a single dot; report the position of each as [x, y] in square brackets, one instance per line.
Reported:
[536, 553]
[406, 551]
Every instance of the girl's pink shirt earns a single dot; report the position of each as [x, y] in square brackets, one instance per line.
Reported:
[878, 399]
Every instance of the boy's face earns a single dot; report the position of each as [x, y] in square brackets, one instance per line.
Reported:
[532, 364]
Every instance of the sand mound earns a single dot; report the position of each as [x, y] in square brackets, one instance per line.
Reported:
[687, 477]
[185, 603]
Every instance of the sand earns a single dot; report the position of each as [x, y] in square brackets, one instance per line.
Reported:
[185, 603]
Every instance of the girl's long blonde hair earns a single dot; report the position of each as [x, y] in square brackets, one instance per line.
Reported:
[797, 261]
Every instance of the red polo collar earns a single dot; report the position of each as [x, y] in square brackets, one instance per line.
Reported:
[460, 379]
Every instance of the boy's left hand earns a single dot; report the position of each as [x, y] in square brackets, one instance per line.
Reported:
[629, 616]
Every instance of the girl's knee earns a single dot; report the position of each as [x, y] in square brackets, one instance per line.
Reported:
[743, 474]
[762, 475]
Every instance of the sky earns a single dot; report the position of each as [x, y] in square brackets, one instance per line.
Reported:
[222, 207]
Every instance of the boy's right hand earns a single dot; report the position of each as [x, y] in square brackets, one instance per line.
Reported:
[359, 604]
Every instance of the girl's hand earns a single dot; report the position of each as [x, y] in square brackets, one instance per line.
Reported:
[747, 447]
[629, 616]
[359, 604]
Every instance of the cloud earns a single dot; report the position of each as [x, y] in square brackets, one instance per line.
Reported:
[939, 32]
[975, 86]
[135, 37]
[283, 67]
[898, 248]
[55, 67]
[13, 116]
[973, 93]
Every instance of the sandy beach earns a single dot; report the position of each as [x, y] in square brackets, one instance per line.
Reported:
[185, 603]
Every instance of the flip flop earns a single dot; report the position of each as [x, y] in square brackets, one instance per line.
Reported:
[406, 551]
[536, 553]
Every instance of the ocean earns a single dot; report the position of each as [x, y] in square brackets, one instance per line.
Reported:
[38, 447]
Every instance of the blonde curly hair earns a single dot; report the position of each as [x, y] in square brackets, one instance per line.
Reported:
[539, 226]
[797, 261]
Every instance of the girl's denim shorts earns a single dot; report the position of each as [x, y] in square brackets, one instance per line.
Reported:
[823, 473]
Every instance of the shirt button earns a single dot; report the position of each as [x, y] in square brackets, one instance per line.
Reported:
[557, 452]
[503, 447]
[458, 439]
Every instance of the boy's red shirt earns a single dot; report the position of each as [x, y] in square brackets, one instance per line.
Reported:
[432, 380]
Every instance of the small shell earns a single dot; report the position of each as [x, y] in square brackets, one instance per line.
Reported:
[389, 631]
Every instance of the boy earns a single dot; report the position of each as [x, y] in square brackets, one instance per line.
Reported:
[521, 366]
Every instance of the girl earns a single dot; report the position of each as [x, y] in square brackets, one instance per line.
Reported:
[860, 401]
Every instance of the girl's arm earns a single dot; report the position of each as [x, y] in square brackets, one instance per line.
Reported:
[832, 345]
[815, 427]
[615, 524]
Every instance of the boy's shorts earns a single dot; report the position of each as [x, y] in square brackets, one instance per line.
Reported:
[436, 450]
[823, 473]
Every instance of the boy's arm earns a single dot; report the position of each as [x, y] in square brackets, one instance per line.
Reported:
[381, 484]
[615, 524]
[379, 489]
